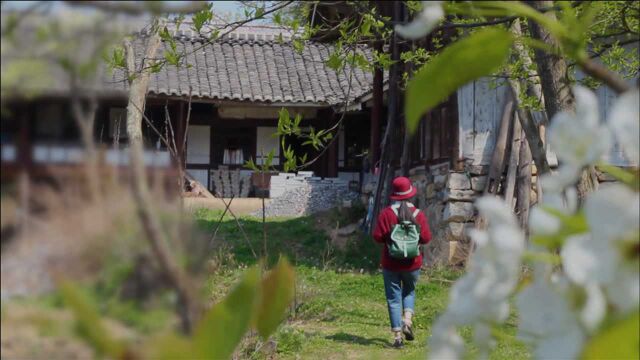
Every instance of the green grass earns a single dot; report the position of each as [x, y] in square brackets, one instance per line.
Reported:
[344, 316]
[339, 311]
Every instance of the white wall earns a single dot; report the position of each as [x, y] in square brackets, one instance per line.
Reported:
[198, 144]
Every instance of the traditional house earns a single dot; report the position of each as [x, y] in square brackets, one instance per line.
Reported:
[237, 86]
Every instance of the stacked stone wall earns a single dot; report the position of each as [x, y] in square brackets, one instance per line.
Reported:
[303, 194]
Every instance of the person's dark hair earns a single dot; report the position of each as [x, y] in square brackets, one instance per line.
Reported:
[404, 213]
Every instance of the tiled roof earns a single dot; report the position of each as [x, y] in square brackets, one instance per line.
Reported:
[256, 71]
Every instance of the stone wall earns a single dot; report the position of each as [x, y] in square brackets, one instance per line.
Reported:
[304, 194]
[449, 207]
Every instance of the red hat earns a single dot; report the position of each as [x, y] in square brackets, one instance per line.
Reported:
[402, 189]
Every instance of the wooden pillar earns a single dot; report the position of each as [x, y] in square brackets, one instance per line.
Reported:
[23, 144]
[376, 113]
[332, 152]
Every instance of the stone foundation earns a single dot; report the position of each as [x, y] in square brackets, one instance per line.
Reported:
[304, 194]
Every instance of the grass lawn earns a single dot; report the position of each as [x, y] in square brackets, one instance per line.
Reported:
[340, 310]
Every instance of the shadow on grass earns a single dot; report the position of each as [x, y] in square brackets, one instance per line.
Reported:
[355, 339]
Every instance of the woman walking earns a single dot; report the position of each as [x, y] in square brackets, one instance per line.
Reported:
[401, 228]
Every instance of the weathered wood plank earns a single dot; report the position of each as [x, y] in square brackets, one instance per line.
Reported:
[466, 100]
[514, 156]
[484, 122]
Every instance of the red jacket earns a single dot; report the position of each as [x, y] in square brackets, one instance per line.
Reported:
[382, 233]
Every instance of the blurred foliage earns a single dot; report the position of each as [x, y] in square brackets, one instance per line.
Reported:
[255, 301]
[617, 341]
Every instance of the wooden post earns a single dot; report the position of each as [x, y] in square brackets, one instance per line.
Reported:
[331, 157]
[376, 113]
[523, 197]
[497, 161]
[514, 156]
[388, 155]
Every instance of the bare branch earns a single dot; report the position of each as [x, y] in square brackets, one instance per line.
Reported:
[598, 71]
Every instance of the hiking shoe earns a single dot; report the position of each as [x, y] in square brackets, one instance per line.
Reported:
[408, 332]
[397, 343]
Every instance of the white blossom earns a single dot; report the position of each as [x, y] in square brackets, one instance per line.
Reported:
[480, 297]
[624, 290]
[430, 16]
[586, 259]
[624, 121]
[594, 309]
[613, 212]
[548, 322]
[542, 222]
[445, 343]
[579, 139]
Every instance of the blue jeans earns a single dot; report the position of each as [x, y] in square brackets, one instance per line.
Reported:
[400, 290]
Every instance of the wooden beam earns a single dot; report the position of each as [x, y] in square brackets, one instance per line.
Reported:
[514, 157]
[332, 152]
[497, 161]
[523, 196]
[376, 113]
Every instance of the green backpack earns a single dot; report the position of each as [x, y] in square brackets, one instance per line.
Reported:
[405, 238]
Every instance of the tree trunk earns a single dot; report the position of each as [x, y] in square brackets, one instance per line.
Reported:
[554, 79]
[390, 145]
[138, 84]
[552, 69]
[85, 119]
[533, 133]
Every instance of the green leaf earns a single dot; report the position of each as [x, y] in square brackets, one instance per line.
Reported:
[334, 61]
[276, 295]
[618, 341]
[89, 324]
[250, 164]
[169, 347]
[269, 160]
[202, 17]
[222, 328]
[478, 55]
[277, 18]
[629, 178]
[298, 45]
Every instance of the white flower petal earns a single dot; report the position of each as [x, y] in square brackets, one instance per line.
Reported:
[587, 260]
[543, 312]
[579, 139]
[483, 339]
[624, 290]
[612, 212]
[543, 223]
[445, 343]
[431, 15]
[496, 211]
[564, 345]
[594, 309]
[566, 176]
[625, 124]
[586, 106]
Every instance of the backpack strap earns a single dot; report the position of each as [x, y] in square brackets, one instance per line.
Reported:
[395, 208]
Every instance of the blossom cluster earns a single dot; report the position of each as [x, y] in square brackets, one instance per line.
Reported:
[565, 305]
